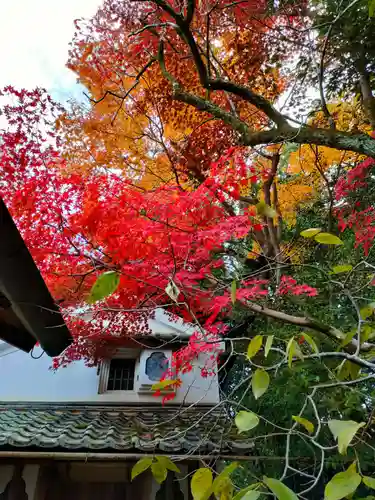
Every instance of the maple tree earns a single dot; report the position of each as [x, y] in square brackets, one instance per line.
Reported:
[182, 184]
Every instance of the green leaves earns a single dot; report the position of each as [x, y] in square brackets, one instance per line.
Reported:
[268, 346]
[159, 472]
[367, 310]
[328, 239]
[292, 350]
[342, 484]
[344, 431]
[248, 493]
[369, 482]
[233, 291]
[347, 369]
[254, 346]
[167, 463]
[324, 238]
[246, 420]
[201, 484]
[160, 465]
[309, 426]
[142, 465]
[310, 233]
[105, 285]
[311, 342]
[279, 489]
[260, 382]
[348, 337]
[265, 210]
[342, 268]
[222, 486]
[371, 8]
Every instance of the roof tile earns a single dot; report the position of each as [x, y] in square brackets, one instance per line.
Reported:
[125, 429]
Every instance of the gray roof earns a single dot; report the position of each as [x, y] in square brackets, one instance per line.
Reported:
[146, 429]
[28, 313]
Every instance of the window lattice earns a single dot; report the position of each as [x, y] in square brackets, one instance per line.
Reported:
[121, 375]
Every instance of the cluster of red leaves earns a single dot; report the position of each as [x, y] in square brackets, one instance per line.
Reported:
[289, 285]
[98, 333]
[352, 212]
[77, 226]
[205, 344]
[363, 224]
[229, 174]
[355, 179]
[251, 289]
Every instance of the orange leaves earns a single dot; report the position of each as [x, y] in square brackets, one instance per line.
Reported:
[148, 135]
[292, 196]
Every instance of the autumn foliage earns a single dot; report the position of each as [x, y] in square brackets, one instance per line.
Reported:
[161, 192]
[197, 175]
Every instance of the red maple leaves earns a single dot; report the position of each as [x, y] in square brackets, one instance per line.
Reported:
[353, 209]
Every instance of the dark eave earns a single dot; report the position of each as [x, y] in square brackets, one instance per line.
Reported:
[28, 313]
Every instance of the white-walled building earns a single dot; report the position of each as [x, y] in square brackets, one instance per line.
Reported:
[75, 433]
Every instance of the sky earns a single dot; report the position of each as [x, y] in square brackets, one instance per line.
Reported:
[34, 38]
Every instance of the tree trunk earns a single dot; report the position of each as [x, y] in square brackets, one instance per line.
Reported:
[367, 96]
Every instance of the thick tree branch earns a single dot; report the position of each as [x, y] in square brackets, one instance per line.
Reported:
[359, 143]
[252, 97]
[308, 323]
[201, 104]
[303, 322]
[274, 243]
[344, 141]
[190, 11]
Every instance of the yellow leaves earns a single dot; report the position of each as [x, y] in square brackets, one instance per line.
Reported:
[256, 251]
[348, 116]
[177, 133]
[291, 196]
[304, 177]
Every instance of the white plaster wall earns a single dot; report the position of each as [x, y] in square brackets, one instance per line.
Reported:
[23, 378]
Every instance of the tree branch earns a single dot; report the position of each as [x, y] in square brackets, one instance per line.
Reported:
[252, 97]
[308, 323]
[357, 142]
[344, 141]
[190, 11]
[203, 105]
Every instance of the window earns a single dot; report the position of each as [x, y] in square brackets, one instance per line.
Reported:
[118, 373]
[121, 375]
[133, 371]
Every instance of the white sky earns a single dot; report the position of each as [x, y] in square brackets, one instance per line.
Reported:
[34, 38]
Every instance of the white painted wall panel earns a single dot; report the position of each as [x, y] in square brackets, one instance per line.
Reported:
[23, 378]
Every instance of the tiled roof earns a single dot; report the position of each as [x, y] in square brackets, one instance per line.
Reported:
[123, 429]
